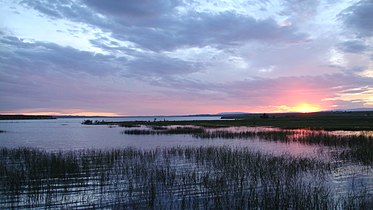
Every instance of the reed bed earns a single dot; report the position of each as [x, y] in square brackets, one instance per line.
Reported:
[360, 147]
[172, 178]
[302, 136]
[356, 148]
[159, 130]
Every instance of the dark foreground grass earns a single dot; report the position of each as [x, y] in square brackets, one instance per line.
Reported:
[315, 121]
[174, 178]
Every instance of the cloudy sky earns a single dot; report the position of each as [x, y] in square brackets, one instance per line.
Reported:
[166, 57]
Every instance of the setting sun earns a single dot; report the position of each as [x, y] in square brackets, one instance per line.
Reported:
[305, 108]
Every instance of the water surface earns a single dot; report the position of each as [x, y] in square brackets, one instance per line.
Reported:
[70, 134]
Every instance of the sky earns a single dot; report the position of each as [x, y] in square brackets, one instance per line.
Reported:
[170, 57]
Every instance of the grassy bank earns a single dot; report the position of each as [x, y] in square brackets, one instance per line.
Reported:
[174, 178]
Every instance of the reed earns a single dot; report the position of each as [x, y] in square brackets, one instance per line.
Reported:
[172, 178]
[356, 148]
[165, 131]
[303, 136]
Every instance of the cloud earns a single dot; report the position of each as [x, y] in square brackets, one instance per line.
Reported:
[355, 46]
[64, 9]
[134, 8]
[158, 26]
[202, 29]
[41, 56]
[303, 10]
[291, 91]
[160, 66]
[359, 18]
[282, 90]
[356, 97]
[43, 75]
[167, 57]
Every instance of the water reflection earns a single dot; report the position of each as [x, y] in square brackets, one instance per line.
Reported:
[74, 136]
[70, 134]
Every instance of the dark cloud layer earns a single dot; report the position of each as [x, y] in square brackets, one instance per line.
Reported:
[359, 18]
[353, 46]
[134, 8]
[157, 26]
[42, 56]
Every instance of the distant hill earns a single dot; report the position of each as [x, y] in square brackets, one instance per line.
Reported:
[231, 113]
[354, 110]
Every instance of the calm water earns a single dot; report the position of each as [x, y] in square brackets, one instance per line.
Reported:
[70, 134]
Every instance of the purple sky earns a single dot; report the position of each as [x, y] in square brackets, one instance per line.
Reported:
[168, 57]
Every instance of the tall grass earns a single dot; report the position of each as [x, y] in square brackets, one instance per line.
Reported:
[173, 178]
[159, 130]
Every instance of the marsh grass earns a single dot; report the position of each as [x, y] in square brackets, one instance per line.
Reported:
[362, 154]
[302, 136]
[160, 130]
[129, 126]
[172, 178]
[356, 148]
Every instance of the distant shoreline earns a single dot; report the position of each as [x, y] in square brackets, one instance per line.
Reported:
[48, 117]
[315, 121]
[26, 117]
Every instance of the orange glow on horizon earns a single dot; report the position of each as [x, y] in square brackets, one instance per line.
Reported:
[306, 108]
[302, 108]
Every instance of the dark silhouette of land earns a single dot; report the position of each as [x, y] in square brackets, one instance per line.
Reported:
[315, 121]
[26, 117]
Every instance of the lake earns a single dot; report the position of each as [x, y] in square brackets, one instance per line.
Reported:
[173, 153]
[70, 134]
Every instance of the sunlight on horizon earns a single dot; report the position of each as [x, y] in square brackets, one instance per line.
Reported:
[306, 108]
[301, 107]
